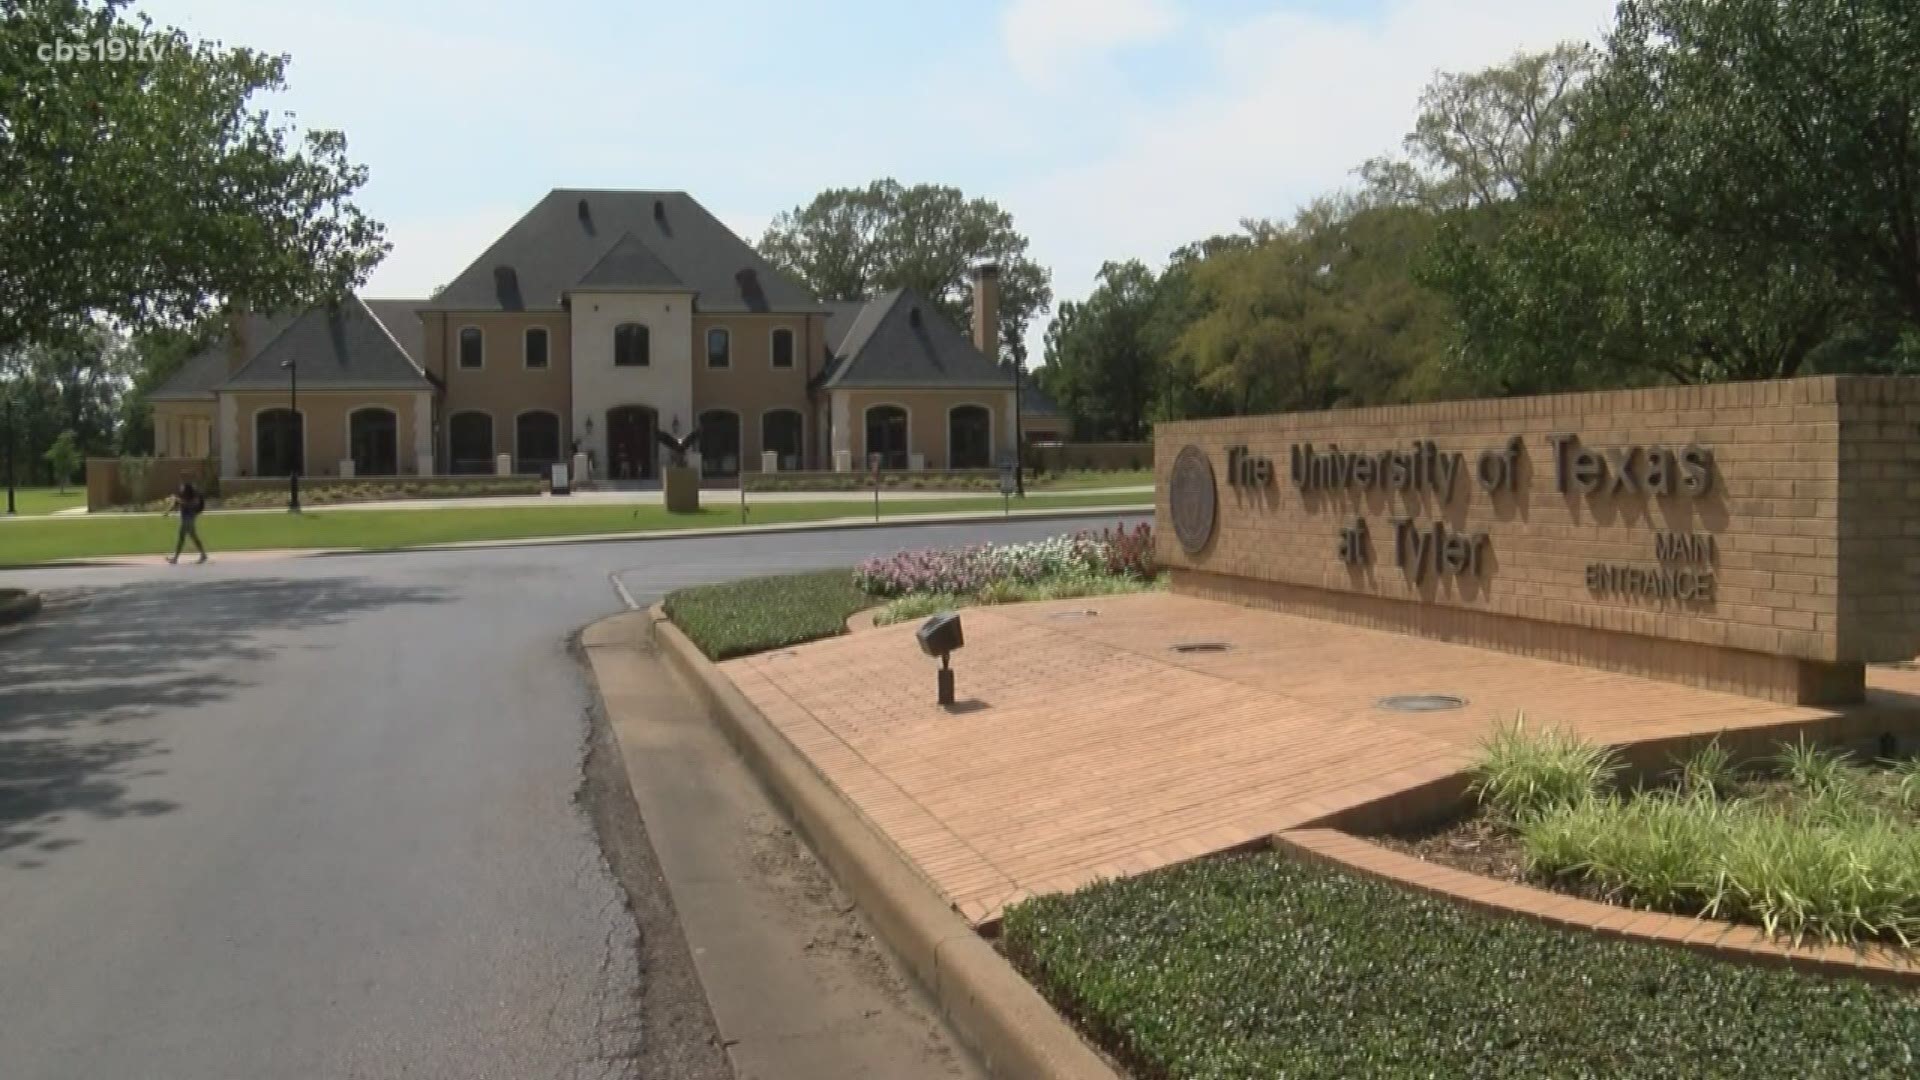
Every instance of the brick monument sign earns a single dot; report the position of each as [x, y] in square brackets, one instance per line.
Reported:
[1759, 538]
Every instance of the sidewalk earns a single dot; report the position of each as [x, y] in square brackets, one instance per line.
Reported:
[797, 985]
[852, 522]
[716, 497]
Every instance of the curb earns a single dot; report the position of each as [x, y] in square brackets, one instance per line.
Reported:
[18, 607]
[826, 525]
[995, 1011]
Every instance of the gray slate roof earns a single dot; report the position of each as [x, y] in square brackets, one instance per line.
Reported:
[402, 320]
[841, 315]
[899, 339]
[335, 347]
[629, 265]
[568, 241]
[205, 370]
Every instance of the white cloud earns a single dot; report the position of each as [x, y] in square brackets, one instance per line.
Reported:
[1044, 39]
[1298, 101]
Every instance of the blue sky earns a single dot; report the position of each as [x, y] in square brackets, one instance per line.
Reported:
[1110, 129]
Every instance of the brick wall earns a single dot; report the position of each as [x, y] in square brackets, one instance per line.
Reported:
[1813, 547]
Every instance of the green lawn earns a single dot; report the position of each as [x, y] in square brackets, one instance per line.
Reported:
[33, 502]
[1260, 966]
[1080, 480]
[25, 542]
[757, 614]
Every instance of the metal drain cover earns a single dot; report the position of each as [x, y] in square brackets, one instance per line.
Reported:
[1421, 702]
[1200, 646]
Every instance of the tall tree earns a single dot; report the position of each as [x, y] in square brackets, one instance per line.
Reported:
[849, 243]
[73, 385]
[1485, 137]
[1100, 365]
[1737, 200]
[151, 190]
[1319, 313]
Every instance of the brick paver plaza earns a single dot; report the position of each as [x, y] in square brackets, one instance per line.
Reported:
[1084, 746]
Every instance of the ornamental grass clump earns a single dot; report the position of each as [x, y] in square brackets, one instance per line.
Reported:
[1522, 774]
[1822, 848]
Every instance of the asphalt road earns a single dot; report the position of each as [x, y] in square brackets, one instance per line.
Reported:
[318, 818]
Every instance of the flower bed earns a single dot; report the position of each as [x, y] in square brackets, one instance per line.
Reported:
[963, 571]
[1118, 560]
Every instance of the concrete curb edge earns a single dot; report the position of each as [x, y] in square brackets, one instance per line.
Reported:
[19, 608]
[1001, 1016]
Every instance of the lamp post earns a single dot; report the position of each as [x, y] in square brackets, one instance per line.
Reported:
[10, 440]
[293, 407]
[1019, 436]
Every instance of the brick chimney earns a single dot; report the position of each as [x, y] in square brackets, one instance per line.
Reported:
[239, 342]
[986, 310]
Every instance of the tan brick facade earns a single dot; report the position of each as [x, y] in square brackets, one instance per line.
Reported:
[1789, 569]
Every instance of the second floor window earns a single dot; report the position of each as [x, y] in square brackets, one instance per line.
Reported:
[630, 345]
[471, 347]
[536, 346]
[719, 348]
[783, 348]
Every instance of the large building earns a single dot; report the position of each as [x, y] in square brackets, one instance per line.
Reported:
[597, 320]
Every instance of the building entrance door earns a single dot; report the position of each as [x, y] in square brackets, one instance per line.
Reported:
[630, 443]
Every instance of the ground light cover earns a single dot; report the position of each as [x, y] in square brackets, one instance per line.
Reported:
[1810, 843]
[1260, 966]
[743, 617]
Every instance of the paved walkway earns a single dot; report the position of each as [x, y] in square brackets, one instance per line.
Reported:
[720, 498]
[1084, 747]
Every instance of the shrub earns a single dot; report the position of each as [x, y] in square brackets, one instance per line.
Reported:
[1906, 778]
[1813, 769]
[1260, 966]
[918, 606]
[1523, 773]
[1708, 770]
[1835, 862]
[741, 617]
[1130, 551]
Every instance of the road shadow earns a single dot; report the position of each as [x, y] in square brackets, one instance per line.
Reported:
[96, 659]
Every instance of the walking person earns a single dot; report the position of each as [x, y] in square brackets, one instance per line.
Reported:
[189, 502]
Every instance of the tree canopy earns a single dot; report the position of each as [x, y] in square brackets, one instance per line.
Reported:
[850, 243]
[154, 190]
[1739, 198]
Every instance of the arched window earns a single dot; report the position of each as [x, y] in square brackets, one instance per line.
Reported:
[887, 435]
[783, 348]
[719, 348]
[780, 432]
[373, 441]
[472, 347]
[719, 443]
[536, 346]
[536, 442]
[279, 443]
[631, 345]
[470, 443]
[969, 437]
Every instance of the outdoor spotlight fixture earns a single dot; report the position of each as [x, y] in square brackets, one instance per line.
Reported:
[939, 636]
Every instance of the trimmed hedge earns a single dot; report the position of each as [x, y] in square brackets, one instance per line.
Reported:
[1261, 966]
[742, 617]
